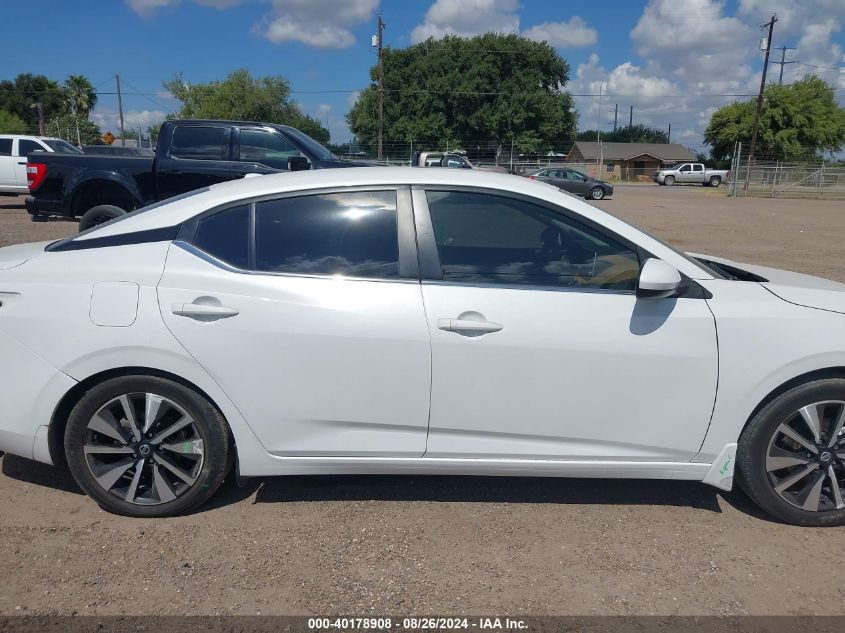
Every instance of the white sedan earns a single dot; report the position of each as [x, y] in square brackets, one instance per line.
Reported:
[399, 320]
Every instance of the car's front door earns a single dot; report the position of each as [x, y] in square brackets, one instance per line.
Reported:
[315, 328]
[685, 173]
[577, 182]
[540, 348]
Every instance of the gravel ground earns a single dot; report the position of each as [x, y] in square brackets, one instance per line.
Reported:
[445, 545]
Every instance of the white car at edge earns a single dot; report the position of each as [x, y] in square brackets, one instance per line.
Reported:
[398, 320]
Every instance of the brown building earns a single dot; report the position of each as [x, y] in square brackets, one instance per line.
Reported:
[628, 161]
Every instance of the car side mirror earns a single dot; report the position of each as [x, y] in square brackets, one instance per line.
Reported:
[658, 280]
[298, 163]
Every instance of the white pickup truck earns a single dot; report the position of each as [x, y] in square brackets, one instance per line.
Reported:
[691, 172]
[13, 151]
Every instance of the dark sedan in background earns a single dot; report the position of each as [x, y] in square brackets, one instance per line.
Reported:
[574, 182]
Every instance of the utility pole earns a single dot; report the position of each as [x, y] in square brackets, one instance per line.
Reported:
[598, 136]
[37, 106]
[120, 110]
[615, 116]
[771, 25]
[669, 134]
[783, 62]
[631, 117]
[380, 87]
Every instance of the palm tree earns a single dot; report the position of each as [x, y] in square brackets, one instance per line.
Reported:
[81, 94]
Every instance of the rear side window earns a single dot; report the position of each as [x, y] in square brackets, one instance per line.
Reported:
[351, 233]
[200, 142]
[25, 146]
[5, 147]
[484, 238]
[225, 235]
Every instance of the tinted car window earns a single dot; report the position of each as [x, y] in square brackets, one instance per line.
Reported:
[25, 146]
[62, 147]
[225, 235]
[260, 146]
[456, 161]
[351, 233]
[484, 238]
[5, 147]
[199, 142]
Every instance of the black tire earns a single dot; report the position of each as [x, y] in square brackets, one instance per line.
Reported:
[753, 448]
[217, 444]
[715, 181]
[669, 181]
[98, 215]
[596, 193]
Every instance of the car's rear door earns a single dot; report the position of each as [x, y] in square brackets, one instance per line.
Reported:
[306, 309]
[197, 156]
[540, 348]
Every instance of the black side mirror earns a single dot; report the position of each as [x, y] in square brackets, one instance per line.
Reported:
[298, 163]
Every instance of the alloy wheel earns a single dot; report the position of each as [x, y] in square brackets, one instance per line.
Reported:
[805, 459]
[144, 449]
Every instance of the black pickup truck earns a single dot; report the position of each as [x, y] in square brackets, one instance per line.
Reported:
[190, 154]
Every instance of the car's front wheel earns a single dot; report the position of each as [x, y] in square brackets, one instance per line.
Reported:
[791, 456]
[597, 193]
[669, 180]
[144, 446]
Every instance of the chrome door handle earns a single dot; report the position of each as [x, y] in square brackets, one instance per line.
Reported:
[467, 325]
[199, 310]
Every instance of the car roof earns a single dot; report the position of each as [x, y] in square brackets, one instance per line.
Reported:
[30, 137]
[233, 191]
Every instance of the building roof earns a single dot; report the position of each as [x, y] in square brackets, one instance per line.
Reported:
[625, 151]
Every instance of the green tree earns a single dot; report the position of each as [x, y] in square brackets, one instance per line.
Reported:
[18, 97]
[629, 134]
[11, 123]
[240, 96]
[64, 126]
[492, 87]
[81, 95]
[798, 122]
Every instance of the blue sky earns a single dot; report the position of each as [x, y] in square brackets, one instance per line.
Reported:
[672, 66]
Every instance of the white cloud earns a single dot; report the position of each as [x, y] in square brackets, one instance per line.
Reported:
[145, 8]
[319, 23]
[109, 121]
[570, 34]
[322, 111]
[466, 18]
[352, 98]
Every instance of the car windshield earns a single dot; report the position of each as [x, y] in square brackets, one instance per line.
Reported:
[312, 146]
[62, 147]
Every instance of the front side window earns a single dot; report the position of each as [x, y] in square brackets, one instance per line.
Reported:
[487, 238]
[352, 233]
[456, 162]
[685, 168]
[267, 148]
[25, 146]
[200, 142]
[575, 175]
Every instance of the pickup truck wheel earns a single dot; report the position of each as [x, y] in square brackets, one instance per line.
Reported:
[669, 180]
[715, 181]
[99, 214]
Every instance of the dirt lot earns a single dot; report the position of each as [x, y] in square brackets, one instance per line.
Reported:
[414, 545]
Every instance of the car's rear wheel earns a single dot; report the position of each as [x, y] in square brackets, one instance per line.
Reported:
[597, 193]
[144, 446]
[715, 181]
[669, 180]
[791, 456]
[98, 215]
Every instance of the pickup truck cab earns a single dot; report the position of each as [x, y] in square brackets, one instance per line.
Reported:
[14, 149]
[191, 154]
[691, 172]
[450, 160]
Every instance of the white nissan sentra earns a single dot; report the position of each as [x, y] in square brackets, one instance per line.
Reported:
[399, 320]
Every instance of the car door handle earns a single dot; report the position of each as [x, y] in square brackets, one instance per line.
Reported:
[467, 325]
[199, 310]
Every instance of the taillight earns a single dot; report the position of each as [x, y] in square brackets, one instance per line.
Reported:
[532, 177]
[35, 173]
